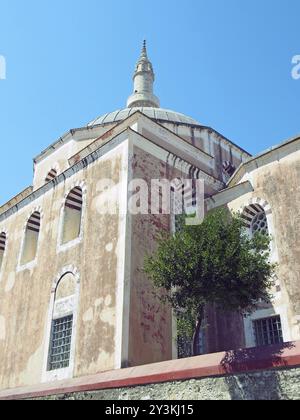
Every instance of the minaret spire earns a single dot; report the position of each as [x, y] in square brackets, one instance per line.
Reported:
[143, 78]
[144, 50]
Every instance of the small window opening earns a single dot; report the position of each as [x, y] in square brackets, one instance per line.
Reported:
[72, 216]
[31, 238]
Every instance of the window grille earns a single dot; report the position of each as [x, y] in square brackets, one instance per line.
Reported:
[260, 223]
[268, 331]
[60, 345]
[256, 219]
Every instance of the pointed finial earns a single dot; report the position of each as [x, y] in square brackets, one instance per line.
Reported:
[144, 49]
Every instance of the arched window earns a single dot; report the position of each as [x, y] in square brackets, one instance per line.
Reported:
[51, 175]
[72, 216]
[228, 169]
[256, 219]
[60, 347]
[2, 247]
[31, 238]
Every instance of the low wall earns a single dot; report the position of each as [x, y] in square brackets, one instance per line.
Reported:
[265, 385]
[269, 373]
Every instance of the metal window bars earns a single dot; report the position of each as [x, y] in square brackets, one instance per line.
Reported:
[60, 344]
[268, 331]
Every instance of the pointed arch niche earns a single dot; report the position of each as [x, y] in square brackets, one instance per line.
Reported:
[61, 326]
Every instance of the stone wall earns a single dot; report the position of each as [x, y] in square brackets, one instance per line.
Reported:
[264, 385]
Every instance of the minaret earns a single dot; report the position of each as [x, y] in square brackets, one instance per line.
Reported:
[143, 83]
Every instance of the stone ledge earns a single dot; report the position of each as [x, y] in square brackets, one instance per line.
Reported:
[212, 365]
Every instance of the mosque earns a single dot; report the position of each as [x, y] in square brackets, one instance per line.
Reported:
[74, 300]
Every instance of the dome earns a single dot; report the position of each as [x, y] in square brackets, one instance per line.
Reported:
[157, 114]
[143, 99]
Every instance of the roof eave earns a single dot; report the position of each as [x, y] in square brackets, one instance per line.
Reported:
[260, 159]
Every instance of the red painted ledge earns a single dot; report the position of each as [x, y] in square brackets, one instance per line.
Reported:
[217, 364]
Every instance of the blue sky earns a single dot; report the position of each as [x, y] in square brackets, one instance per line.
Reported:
[227, 63]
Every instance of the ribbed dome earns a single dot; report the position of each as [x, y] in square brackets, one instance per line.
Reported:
[157, 114]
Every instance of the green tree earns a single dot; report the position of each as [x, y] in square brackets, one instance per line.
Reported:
[216, 263]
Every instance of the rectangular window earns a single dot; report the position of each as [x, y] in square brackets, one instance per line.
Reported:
[268, 331]
[60, 344]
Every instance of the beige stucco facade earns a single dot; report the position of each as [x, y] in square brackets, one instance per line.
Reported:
[25, 291]
[274, 176]
[87, 247]
[118, 322]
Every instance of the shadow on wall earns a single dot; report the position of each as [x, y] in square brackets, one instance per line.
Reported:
[256, 386]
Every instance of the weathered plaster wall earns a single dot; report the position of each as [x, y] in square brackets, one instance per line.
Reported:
[58, 156]
[212, 143]
[109, 258]
[264, 385]
[19, 197]
[57, 160]
[277, 183]
[151, 332]
[25, 293]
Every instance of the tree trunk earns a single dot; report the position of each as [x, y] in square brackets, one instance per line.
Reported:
[196, 337]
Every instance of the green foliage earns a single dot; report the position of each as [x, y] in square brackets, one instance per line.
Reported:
[213, 263]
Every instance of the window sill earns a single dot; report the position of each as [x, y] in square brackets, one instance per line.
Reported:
[27, 266]
[69, 245]
[57, 375]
